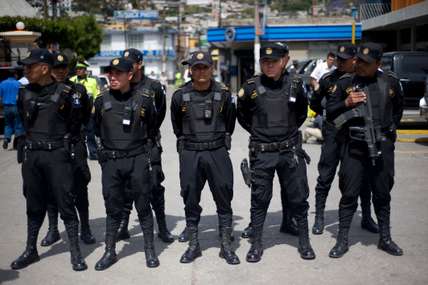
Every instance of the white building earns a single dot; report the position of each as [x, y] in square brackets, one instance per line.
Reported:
[154, 44]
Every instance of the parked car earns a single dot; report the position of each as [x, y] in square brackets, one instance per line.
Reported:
[412, 69]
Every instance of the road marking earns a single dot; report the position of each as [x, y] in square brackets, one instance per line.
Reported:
[412, 132]
[413, 140]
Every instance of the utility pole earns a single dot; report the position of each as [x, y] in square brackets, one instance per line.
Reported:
[259, 30]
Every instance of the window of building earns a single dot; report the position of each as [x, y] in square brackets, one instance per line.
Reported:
[136, 41]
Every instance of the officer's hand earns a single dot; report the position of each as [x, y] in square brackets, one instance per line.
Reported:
[355, 98]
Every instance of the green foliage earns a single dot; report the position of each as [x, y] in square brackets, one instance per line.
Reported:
[81, 34]
[291, 5]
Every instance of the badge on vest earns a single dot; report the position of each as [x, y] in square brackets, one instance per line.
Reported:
[127, 116]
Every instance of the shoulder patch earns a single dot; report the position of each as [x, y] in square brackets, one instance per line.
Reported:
[391, 93]
[253, 94]
[332, 89]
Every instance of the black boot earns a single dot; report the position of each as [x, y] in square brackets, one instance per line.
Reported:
[109, 257]
[367, 222]
[318, 227]
[226, 251]
[52, 236]
[194, 250]
[77, 260]
[149, 250]
[386, 243]
[85, 231]
[248, 232]
[122, 232]
[163, 232]
[256, 251]
[220, 234]
[184, 236]
[305, 248]
[30, 255]
[341, 246]
[288, 225]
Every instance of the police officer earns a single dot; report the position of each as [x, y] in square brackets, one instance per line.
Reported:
[367, 107]
[288, 224]
[330, 151]
[155, 90]
[48, 114]
[123, 120]
[203, 117]
[93, 91]
[272, 107]
[81, 172]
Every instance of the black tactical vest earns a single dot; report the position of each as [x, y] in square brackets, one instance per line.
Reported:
[123, 125]
[273, 113]
[45, 117]
[203, 117]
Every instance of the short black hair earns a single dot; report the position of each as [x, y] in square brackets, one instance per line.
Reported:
[331, 54]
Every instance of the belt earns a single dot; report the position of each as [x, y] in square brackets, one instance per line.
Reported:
[42, 145]
[199, 146]
[274, 146]
[117, 154]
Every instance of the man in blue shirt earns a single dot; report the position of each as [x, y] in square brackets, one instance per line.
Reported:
[9, 90]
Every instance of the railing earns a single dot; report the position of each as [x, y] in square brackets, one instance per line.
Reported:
[373, 8]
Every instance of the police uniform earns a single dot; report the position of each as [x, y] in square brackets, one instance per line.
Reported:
[48, 114]
[123, 123]
[93, 90]
[203, 122]
[272, 112]
[367, 153]
[81, 172]
[330, 150]
[154, 89]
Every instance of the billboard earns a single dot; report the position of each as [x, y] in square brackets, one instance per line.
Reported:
[136, 14]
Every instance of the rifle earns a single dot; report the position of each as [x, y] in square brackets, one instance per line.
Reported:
[370, 134]
[246, 172]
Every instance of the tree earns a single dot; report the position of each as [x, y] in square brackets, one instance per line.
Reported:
[81, 34]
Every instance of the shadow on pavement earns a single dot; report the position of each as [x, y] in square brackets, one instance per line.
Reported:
[8, 275]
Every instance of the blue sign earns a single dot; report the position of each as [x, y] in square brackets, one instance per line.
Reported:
[136, 14]
[147, 53]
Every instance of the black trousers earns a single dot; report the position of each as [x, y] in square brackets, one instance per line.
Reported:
[48, 178]
[356, 172]
[81, 179]
[122, 179]
[327, 165]
[157, 199]
[197, 167]
[291, 171]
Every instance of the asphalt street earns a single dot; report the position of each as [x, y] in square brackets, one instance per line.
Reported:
[281, 264]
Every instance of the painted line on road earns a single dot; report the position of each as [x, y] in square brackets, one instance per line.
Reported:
[412, 132]
[413, 140]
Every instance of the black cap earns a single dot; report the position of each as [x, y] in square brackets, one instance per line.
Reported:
[346, 51]
[274, 50]
[60, 60]
[369, 52]
[38, 55]
[121, 64]
[199, 57]
[133, 55]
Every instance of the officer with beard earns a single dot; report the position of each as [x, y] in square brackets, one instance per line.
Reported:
[366, 107]
[203, 117]
[82, 175]
[272, 107]
[330, 150]
[155, 90]
[50, 118]
[124, 119]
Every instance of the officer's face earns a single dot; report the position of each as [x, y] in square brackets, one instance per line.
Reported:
[201, 73]
[366, 69]
[80, 71]
[345, 65]
[272, 68]
[36, 72]
[60, 73]
[119, 80]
